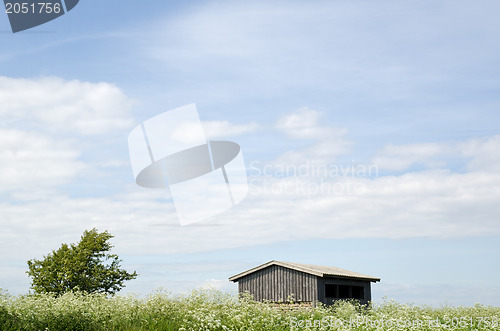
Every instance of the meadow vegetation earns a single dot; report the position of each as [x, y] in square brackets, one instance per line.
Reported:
[216, 310]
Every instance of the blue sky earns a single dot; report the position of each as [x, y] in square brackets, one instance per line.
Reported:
[408, 89]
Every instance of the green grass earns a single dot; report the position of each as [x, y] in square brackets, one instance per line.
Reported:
[215, 310]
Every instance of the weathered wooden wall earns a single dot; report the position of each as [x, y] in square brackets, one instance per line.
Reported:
[276, 284]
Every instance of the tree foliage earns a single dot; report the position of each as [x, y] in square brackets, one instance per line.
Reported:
[85, 266]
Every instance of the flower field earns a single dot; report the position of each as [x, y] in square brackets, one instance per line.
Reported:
[215, 310]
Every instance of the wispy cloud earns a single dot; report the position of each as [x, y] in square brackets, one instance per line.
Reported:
[329, 48]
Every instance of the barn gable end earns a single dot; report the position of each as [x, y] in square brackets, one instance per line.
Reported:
[277, 284]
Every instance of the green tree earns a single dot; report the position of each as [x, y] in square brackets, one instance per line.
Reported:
[85, 266]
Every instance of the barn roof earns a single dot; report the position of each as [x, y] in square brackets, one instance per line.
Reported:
[317, 270]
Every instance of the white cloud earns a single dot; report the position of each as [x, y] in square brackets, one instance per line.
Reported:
[56, 105]
[484, 153]
[435, 204]
[223, 129]
[477, 153]
[327, 143]
[304, 124]
[44, 124]
[188, 133]
[30, 160]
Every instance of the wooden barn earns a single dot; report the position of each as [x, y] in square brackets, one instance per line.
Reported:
[276, 281]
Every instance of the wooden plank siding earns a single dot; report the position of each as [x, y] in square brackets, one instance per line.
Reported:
[277, 284]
